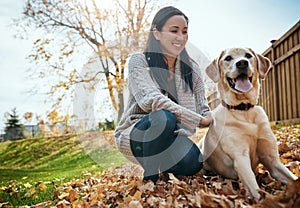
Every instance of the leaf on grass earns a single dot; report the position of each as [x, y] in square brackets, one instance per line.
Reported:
[63, 195]
[27, 185]
[30, 193]
[42, 186]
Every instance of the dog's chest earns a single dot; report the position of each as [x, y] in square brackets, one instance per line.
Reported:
[238, 133]
[235, 122]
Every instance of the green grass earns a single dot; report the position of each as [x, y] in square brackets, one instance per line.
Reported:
[30, 169]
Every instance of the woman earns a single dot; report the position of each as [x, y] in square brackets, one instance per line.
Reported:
[166, 102]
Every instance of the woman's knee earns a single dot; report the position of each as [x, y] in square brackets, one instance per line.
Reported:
[163, 117]
[162, 125]
[194, 161]
[153, 134]
[190, 164]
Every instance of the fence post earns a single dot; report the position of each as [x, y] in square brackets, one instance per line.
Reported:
[275, 83]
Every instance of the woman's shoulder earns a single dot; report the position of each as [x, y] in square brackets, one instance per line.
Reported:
[198, 71]
[137, 59]
[195, 67]
[137, 55]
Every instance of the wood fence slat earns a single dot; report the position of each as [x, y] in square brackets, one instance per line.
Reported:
[297, 75]
[286, 47]
[275, 88]
[293, 88]
[281, 92]
[272, 96]
[285, 91]
[290, 78]
[290, 42]
[298, 31]
[288, 102]
[268, 97]
[281, 49]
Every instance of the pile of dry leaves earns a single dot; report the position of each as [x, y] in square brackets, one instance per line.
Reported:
[123, 186]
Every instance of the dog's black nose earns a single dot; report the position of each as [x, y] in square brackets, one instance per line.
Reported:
[242, 64]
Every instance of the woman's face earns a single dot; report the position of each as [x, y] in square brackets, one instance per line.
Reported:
[173, 36]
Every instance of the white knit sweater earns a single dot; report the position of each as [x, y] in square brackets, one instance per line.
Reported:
[145, 97]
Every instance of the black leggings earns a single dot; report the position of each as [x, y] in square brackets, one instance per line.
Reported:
[158, 149]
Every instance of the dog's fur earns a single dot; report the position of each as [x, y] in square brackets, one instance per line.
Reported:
[238, 140]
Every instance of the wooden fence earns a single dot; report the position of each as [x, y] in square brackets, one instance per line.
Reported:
[280, 91]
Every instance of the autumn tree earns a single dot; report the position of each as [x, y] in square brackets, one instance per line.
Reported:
[72, 27]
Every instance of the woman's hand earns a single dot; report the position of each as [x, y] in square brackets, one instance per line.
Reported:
[205, 121]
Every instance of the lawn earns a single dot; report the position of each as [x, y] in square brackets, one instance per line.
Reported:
[31, 169]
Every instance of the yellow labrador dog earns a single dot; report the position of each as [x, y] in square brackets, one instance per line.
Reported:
[240, 137]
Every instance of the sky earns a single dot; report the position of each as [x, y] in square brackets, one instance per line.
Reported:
[214, 25]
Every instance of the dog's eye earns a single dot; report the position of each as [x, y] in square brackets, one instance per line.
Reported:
[228, 58]
[248, 55]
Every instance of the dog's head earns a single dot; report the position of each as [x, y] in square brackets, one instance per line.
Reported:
[237, 72]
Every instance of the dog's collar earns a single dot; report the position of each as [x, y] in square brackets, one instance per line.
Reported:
[242, 106]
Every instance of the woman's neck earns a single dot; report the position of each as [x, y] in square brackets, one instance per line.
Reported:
[171, 60]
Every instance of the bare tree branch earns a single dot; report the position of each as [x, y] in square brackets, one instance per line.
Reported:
[112, 34]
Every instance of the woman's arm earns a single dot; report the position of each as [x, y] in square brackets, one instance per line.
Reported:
[200, 96]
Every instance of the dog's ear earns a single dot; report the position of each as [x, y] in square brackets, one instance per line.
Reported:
[264, 65]
[212, 71]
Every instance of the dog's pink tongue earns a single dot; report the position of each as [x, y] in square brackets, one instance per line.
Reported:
[243, 85]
